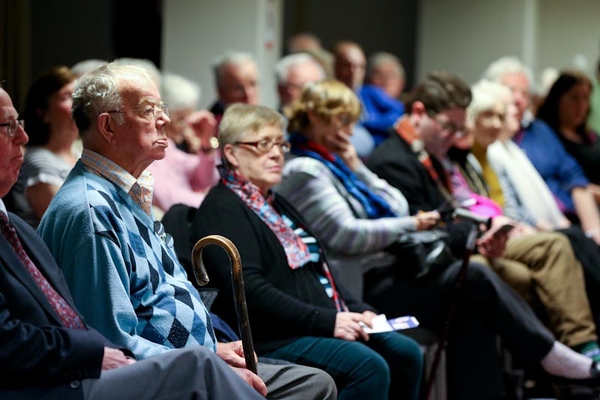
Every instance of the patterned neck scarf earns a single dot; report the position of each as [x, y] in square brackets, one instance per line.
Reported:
[295, 250]
[374, 205]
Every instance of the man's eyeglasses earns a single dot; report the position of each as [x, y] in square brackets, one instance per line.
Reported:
[148, 112]
[448, 126]
[12, 126]
[265, 145]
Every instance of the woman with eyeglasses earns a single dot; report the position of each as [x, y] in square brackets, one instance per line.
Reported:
[49, 157]
[299, 312]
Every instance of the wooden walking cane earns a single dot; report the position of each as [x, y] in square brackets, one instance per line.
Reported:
[238, 289]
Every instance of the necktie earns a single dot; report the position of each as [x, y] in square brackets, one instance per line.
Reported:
[67, 315]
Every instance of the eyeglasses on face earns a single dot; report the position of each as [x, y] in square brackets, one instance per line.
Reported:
[265, 145]
[448, 126]
[12, 126]
[148, 112]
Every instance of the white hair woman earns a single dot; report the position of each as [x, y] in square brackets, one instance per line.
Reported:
[299, 310]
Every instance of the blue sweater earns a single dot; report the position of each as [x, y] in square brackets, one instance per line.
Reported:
[559, 169]
[380, 111]
[124, 279]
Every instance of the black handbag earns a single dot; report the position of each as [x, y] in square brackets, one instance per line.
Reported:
[422, 252]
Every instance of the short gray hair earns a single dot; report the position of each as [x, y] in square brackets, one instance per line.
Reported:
[382, 57]
[229, 58]
[504, 66]
[283, 66]
[146, 64]
[178, 92]
[98, 91]
[241, 120]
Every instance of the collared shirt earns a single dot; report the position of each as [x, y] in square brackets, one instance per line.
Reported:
[139, 189]
[3, 208]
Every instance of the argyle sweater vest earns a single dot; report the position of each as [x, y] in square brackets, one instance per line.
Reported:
[123, 276]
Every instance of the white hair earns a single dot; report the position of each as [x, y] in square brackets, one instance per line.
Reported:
[382, 57]
[506, 65]
[98, 91]
[178, 92]
[485, 96]
[145, 64]
[283, 66]
[84, 66]
[230, 57]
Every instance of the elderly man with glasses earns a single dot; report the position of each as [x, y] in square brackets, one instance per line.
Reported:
[48, 349]
[101, 230]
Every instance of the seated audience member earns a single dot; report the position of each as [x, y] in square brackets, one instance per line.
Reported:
[102, 233]
[561, 172]
[565, 110]
[293, 73]
[49, 351]
[49, 157]
[385, 70]
[541, 267]
[236, 77]
[379, 111]
[303, 41]
[181, 177]
[298, 311]
[354, 213]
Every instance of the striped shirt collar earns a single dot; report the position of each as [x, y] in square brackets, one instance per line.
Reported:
[139, 189]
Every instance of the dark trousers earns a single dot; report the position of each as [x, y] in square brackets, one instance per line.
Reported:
[486, 307]
[389, 365]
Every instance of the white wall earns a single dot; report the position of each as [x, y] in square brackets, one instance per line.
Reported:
[464, 36]
[568, 28]
[195, 32]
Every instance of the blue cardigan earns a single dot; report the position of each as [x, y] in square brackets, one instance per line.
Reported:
[124, 279]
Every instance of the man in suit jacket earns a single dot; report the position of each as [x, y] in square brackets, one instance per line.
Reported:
[47, 350]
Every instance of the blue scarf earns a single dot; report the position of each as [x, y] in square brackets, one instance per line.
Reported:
[374, 205]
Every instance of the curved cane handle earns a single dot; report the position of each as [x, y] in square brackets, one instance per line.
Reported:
[239, 294]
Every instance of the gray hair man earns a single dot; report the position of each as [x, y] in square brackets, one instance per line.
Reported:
[236, 77]
[50, 351]
[293, 72]
[101, 230]
[386, 71]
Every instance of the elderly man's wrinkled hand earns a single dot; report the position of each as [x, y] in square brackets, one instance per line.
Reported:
[232, 353]
[251, 379]
[114, 358]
